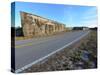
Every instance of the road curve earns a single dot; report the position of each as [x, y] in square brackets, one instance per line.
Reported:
[29, 52]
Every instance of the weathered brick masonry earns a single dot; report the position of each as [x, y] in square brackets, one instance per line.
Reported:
[34, 25]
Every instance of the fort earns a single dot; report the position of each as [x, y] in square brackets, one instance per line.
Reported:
[34, 25]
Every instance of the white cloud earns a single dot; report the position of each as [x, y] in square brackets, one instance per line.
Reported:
[91, 13]
[92, 26]
[90, 17]
[91, 23]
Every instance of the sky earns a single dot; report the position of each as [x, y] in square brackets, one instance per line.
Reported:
[70, 15]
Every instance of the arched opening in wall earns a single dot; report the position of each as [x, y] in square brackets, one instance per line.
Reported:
[50, 29]
[46, 29]
[43, 29]
[33, 32]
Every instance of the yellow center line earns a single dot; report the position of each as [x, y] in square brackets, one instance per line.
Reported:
[28, 44]
[19, 46]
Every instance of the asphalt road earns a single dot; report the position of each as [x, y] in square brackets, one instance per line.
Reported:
[28, 52]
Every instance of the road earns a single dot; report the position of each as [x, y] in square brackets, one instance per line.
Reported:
[29, 52]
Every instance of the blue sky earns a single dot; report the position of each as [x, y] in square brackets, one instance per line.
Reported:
[71, 15]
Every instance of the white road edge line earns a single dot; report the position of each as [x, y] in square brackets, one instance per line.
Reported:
[40, 59]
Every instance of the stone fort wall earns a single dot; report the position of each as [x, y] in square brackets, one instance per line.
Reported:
[34, 25]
